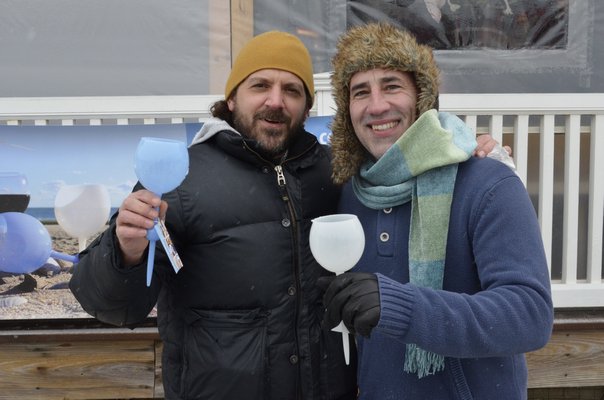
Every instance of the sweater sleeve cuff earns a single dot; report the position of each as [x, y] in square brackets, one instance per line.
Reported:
[396, 307]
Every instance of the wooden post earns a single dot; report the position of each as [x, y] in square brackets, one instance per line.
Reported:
[242, 24]
[219, 42]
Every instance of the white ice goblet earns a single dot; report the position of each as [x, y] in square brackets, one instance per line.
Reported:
[160, 165]
[337, 242]
[82, 210]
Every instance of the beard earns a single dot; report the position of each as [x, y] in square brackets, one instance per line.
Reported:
[275, 141]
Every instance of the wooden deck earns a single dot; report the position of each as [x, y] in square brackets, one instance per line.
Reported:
[79, 359]
[83, 359]
[574, 356]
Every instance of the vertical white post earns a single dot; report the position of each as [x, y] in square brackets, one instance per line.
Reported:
[596, 200]
[520, 150]
[546, 183]
[572, 140]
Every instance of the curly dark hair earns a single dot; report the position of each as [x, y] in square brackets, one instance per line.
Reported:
[220, 109]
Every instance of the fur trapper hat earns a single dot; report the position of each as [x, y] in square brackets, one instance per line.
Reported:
[366, 47]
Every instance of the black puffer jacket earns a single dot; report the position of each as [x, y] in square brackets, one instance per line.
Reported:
[241, 320]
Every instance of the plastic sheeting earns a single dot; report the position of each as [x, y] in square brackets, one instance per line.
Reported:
[104, 47]
[155, 47]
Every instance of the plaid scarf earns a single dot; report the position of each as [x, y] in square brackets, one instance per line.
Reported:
[421, 166]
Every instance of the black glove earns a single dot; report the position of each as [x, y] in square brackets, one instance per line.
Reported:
[354, 298]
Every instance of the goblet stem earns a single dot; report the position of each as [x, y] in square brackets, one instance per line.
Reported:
[150, 261]
[65, 257]
[153, 237]
[345, 340]
[346, 345]
[82, 243]
[345, 337]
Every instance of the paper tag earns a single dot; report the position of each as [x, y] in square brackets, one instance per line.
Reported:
[164, 237]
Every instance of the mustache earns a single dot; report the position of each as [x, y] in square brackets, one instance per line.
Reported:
[272, 115]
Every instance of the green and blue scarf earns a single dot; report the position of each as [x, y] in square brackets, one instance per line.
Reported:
[420, 167]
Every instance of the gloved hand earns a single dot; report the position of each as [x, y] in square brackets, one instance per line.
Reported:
[354, 298]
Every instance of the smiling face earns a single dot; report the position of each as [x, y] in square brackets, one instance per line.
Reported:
[269, 106]
[382, 107]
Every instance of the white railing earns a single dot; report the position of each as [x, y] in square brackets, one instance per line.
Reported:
[557, 139]
[558, 142]
[104, 110]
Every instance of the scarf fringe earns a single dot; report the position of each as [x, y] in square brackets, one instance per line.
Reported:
[422, 362]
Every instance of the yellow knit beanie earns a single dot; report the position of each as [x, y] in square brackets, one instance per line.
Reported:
[274, 50]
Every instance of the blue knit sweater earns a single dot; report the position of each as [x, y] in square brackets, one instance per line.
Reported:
[495, 304]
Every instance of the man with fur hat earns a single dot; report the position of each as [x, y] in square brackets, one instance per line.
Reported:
[241, 319]
[453, 286]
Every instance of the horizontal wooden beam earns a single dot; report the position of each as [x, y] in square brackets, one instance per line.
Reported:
[572, 358]
[103, 362]
[60, 369]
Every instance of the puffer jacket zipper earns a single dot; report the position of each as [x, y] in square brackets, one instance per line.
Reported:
[282, 186]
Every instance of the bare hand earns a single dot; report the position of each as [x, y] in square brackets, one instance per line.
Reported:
[136, 215]
[486, 144]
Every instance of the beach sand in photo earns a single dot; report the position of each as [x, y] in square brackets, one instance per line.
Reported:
[51, 297]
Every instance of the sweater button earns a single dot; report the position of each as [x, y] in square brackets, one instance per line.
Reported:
[387, 210]
[293, 359]
[285, 222]
[291, 291]
[384, 236]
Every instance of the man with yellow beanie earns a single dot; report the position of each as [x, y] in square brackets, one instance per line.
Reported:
[242, 318]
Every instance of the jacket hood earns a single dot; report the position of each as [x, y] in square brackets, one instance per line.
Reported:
[211, 128]
[367, 47]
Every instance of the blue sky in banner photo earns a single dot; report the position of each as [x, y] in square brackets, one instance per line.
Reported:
[51, 156]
